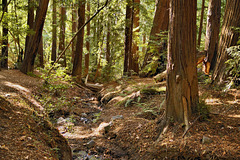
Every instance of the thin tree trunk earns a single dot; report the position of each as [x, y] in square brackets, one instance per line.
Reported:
[34, 40]
[62, 32]
[77, 63]
[54, 32]
[201, 23]
[87, 43]
[4, 56]
[229, 37]
[212, 31]
[74, 27]
[182, 82]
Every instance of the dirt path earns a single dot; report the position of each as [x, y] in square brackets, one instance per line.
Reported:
[124, 124]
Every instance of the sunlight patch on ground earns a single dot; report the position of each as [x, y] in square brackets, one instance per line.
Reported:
[2, 77]
[234, 116]
[80, 132]
[16, 86]
[213, 101]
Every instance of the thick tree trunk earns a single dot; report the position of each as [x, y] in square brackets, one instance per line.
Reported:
[62, 32]
[135, 48]
[228, 37]
[212, 31]
[54, 32]
[30, 21]
[160, 24]
[77, 63]
[201, 23]
[4, 56]
[34, 40]
[128, 37]
[182, 82]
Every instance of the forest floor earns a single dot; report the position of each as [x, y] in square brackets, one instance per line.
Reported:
[119, 122]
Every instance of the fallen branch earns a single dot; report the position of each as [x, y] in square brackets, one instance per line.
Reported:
[184, 134]
[76, 36]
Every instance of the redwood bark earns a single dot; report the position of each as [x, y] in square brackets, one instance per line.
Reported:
[201, 23]
[229, 37]
[4, 56]
[87, 42]
[77, 63]
[40, 53]
[30, 21]
[34, 40]
[135, 48]
[74, 27]
[128, 37]
[182, 82]
[62, 32]
[212, 31]
[54, 33]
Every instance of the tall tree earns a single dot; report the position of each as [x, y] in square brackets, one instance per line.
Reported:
[40, 54]
[201, 23]
[212, 31]
[62, 31]
[182, 82]
[54, 32]
[30, 21]
[34, 40]
[77, 63]
[128, 37]
[160, 24]
[87, 42]
[229, 37]
[135, 47]
[4, 56]
[74, 26]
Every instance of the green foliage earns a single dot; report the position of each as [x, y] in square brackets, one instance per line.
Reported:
[233, 67]
[203, 109]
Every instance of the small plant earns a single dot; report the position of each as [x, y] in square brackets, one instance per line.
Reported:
[203, 109]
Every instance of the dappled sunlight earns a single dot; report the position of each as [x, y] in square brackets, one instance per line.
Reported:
[234, 116]
[80, 132]
[16, 86]
[213, 101]
[2, 77]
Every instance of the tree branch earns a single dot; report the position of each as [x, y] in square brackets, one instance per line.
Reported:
[4, 10]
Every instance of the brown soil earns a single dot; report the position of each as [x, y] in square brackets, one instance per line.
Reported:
[134, 134]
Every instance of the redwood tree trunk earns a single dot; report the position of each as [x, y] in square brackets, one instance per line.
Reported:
[128, 37]
[229, 37]
[34, 40]
[182, 82]
[135, 48]
[201, 23]
[54, 33]
[40, 54]
[74, 27]
[30, 21]
[77, 63]
[87, 43]
[62, 32]
[4, 56]
[160, 24]
[212, 31]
